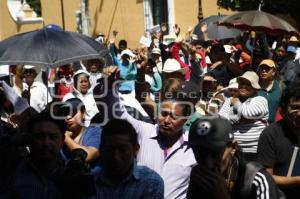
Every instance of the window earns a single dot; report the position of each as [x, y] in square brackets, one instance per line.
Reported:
[22, 13]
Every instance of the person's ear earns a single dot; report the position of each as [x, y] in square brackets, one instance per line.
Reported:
[136, 149]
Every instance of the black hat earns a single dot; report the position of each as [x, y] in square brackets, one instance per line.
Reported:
[210, 132]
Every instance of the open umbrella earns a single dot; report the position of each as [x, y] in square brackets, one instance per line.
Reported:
[257, 20]
[214, 31]
[49, 47]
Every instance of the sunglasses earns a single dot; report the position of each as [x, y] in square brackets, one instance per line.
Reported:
[29, 71]
[265, 68]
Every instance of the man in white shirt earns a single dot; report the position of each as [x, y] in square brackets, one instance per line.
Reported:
[36, 92]
[163, 146]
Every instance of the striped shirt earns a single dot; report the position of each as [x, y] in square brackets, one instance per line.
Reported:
[249, 119]
[262, 186]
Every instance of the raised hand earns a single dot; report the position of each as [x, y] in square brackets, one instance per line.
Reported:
[204, 27]
[112, 74]
[176, 29]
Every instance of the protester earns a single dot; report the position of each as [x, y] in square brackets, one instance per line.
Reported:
[120, 176]
[248, 114]
[271, 87]
[278, 142]
[163, 146]
[64, 82]
[83, 91]
[280, 55]
[288, 71]
[37, 176]
[94, 67]
[127, 66]
[221, 171]
[35, 92]
[79, 136]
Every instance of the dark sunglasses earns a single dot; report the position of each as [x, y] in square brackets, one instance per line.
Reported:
[29, 71]
[264, 67]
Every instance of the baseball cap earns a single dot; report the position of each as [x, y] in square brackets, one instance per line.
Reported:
[268, 62]
[291, 49]
[210, 132]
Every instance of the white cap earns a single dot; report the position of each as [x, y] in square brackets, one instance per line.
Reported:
[36, 68]
[127, 52]
[172, 65]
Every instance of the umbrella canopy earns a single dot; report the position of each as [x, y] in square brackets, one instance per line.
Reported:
[258, 21]
[49, 47]
[214, 31]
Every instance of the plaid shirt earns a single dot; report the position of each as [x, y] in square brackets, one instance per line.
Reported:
[142, 183]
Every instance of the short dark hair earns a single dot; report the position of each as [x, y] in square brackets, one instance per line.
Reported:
[119, 127]
[123, 42]
[45, 116]
[292, 91]
[182, 99]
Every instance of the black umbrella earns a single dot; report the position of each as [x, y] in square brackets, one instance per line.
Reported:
[50, 47]
[214, 31]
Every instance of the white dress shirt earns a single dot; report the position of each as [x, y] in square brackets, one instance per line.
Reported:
[38, 95]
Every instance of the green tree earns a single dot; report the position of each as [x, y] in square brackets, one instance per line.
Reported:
[36, 6]
[291, 7]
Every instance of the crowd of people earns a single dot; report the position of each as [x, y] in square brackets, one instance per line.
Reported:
[183, 118]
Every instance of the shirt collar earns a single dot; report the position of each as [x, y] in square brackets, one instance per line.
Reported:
[184, 137]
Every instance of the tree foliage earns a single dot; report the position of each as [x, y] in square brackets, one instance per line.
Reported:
[36, 6]
[291, 7]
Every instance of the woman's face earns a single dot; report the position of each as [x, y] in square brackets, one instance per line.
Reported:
[83, 84]
[75, 120]
[266, 72]
[280, 52]
[245, 88]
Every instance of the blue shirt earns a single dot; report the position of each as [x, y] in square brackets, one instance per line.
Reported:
[128, 72]
[91, 137]
[142, 183]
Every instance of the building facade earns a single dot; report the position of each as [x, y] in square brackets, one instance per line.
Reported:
[131, 18]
